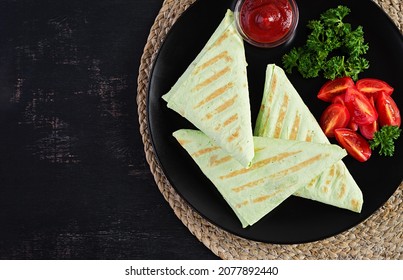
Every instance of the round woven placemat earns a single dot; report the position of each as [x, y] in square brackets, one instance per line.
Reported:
[379, 237]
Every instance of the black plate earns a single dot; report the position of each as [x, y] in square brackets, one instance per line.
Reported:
[296, 220]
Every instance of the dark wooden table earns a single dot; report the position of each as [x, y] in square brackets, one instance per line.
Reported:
[74, 183]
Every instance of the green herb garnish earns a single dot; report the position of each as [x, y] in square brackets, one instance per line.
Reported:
[385, 139]
[332, 47]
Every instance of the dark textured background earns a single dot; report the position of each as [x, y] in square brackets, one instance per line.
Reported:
[74, 183]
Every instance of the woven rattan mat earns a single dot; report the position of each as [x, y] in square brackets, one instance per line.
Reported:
[379, 237]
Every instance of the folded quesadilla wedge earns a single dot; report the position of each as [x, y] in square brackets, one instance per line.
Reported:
[284, 115]
[213, 92]
[279, 168]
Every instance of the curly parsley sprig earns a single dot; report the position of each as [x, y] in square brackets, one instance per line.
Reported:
[384, 139]
[332, 48]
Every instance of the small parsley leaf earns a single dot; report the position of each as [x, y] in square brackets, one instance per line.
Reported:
[385, 140]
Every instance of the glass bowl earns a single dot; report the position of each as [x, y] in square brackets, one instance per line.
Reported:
[267, 16]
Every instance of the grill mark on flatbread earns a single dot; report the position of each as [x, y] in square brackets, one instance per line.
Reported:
[331, 170]
[339, 172]
[243, 203]
[312, 182]
[205, 151]
[258, 199]
[295, 127]
[299, 166]
[264, 126]
[215, 94]
[214, 160]
[309, 136]
[330, 174]
[234, 135]
[223, 55]
[342, 191]
[355, 204]
[183, 142]
[228, 121]
[221, 108]
[273, 84]
[281, 117]
[231, 119]
[270, 99]
[259, 164]
[220, 39]
[248, 185]
[262, 106]
[211, 79]
[266, 197]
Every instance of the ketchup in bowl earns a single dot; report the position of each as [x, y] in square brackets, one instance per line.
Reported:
[266, 23]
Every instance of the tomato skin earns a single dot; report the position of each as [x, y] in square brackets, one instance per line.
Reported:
[334, 116]
[352, 125]
[369, 130]
[334, 88]
[357, 111]
[388, 111]
[356, 145]
[339, 99]
[370, 86]
[361, 110]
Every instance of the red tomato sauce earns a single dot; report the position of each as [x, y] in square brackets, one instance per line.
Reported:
[266, 21]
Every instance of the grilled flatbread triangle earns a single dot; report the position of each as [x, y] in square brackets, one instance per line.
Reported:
[283, 114]
[279, 168]
[213, 92]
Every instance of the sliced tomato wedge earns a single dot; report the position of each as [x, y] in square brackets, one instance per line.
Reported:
[339, 99]
[334, 87]
[352, 125]
[335, 116]
[370, 86]
[356, 145]
[369, 130]
[388, 111]
[361, 110]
